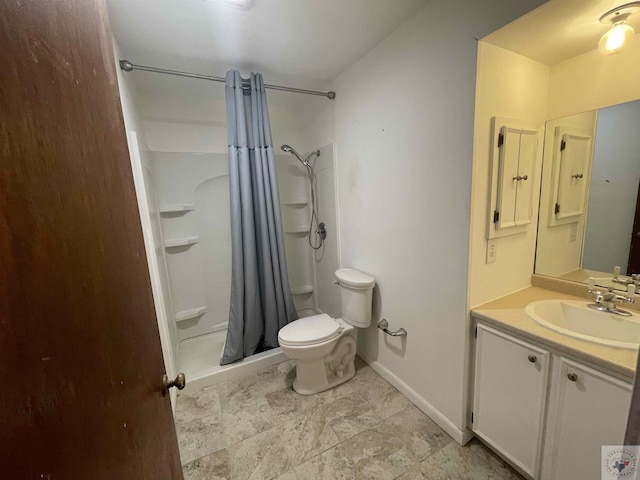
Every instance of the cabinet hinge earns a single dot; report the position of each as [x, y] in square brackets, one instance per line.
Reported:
[476, 333]
[496, 216]
[471, 417]
[557, 209]
[563, 145]
[500, 139]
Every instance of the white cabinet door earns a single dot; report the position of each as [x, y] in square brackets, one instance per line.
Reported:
[510, 394]
[507, 173]
[591, 411]
[526, 162]
[575, 160]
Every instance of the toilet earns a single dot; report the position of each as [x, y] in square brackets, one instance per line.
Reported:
[324, 348]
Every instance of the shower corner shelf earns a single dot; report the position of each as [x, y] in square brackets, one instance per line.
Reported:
[300, 229]
[180, 242]
[189, 314]
[295, 201]
[301, 290]
[177, 207]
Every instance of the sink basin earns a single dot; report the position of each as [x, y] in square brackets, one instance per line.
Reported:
[575, 319]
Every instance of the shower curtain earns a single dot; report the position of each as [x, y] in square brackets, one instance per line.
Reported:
[261, 300]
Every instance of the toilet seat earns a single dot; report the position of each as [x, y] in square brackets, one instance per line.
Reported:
[309, 331]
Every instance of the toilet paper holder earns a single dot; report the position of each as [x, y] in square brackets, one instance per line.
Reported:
[384, 326]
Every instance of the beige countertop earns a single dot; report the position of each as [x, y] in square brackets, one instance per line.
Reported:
[508, 314]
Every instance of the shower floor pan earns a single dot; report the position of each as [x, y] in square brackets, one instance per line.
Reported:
[199, 359]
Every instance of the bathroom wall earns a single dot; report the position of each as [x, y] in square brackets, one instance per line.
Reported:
[558, 252]
[614, 187]
[508, 85]
[143, 170]
[591, 81]
[404, 128]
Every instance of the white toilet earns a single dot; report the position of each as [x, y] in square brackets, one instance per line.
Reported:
[324, 348]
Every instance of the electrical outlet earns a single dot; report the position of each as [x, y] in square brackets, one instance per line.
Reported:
[574, 232]
[492, 250]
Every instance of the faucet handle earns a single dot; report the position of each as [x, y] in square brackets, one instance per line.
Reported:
[592, 286]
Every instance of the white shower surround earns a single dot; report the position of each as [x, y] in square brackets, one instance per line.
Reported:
[193, 195]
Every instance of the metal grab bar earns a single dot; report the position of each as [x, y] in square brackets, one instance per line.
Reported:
[383, 325]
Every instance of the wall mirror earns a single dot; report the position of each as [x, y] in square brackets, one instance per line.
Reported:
[589, 218]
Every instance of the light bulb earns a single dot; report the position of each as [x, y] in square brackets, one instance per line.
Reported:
[617, 38]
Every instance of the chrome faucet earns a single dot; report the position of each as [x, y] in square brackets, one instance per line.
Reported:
[633, 279]
[607, 301]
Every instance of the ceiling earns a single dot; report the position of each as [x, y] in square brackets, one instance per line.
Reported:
[558, 30]
[305, 42]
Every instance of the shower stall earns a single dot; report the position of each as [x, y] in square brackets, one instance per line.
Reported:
[192, 192]
[182, 151]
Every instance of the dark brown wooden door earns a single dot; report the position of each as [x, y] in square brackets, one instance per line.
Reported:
[80, 357]
[634, 251]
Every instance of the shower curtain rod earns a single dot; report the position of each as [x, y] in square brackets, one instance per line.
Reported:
[127, 66]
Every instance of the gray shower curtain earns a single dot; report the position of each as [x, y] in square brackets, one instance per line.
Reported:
[261, 301]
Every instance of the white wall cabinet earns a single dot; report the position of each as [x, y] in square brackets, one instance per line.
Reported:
[510, 394]
[571, 174]
[559, 441]
[514, 152]
[590, 410]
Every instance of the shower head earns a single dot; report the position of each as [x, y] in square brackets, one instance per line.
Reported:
[290, 149]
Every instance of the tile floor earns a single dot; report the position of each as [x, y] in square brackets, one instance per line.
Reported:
[257, 427]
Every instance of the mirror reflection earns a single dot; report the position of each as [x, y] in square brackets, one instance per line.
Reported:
[589, 220]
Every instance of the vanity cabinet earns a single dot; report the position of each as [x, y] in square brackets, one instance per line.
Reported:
[590, 410]
[546, 414]
[511, 379]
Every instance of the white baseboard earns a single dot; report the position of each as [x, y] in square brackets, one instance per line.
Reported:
[460, 436]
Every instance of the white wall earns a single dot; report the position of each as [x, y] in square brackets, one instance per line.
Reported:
[508, 85]
[404, 129]
[591, 81]
[614, 188]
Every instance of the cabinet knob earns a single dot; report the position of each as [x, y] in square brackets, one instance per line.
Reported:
[532, 358]
[573, 377]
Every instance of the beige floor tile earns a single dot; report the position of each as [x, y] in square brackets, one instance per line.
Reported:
[197, 405]
[286, 404]
[425, 437]
[211, 467]
[257, 427]
[382, 452]
[461, 463]
[200, 437]
[260, 457]
[276, 377]
[244, 411]
[333, 464]
[349, 416]
[384, 399]
[306, 436]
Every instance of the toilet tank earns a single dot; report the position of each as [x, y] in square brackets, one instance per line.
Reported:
[356, 293]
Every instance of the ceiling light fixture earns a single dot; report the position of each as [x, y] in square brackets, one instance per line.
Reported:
[620, 34]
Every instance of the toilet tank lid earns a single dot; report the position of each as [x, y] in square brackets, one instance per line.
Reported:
[355, 278]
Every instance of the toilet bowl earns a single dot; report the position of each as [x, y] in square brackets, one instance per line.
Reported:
[324, 348]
